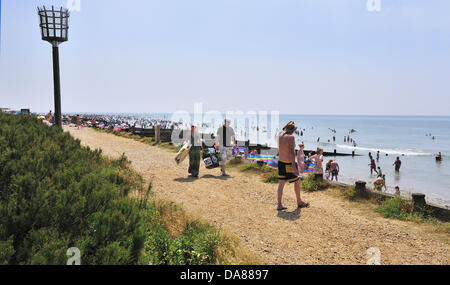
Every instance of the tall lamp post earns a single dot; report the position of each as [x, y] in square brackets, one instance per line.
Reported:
[54, 26]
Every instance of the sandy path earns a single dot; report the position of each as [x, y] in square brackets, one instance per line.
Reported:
[326, 233]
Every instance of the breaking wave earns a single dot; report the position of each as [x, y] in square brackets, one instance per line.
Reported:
[388, 151]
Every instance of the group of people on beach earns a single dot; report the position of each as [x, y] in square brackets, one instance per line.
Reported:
[225, 139]
[290, 163]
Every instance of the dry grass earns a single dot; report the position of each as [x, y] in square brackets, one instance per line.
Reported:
[175, 219]
[231, 252]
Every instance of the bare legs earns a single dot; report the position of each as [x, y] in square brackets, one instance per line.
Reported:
[280, 193]
[297, 191]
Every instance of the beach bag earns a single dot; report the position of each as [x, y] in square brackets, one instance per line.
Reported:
[183, 152]
[211, 160]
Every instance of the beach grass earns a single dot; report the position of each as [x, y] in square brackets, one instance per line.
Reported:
[310, 184]
[57, 194]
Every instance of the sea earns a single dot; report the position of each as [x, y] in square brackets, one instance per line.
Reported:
[414, 139]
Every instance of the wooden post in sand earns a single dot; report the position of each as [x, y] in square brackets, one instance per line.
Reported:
[360, 188]
[418, 201]
[157, 133]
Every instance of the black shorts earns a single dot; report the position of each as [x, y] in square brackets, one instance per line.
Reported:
[334, 172]
[286, 171]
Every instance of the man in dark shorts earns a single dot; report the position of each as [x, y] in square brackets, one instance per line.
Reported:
[225, 139]
[334, 167]
[397, 164]
[287, 169]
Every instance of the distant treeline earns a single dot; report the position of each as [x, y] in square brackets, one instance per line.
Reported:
[56, 194]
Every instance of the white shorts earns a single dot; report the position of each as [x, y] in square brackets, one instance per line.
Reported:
[225, 154]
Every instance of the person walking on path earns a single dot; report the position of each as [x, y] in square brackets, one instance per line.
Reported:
[287, 170]
[224, 140]
[78, 122]
[194, 152]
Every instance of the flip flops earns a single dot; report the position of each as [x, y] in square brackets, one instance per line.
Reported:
[303, 205]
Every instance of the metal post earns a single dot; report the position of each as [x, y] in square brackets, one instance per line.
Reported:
[57, 86]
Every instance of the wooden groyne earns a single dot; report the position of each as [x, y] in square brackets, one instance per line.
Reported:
[417, 199]
[165, 135]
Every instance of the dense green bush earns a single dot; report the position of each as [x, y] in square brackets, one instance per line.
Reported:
[398, 208]
[56, 194]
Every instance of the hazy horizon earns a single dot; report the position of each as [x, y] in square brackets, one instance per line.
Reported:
[315, 57]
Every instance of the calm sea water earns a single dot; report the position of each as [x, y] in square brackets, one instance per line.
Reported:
[403, 136]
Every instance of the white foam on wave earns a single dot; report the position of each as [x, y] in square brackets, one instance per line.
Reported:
[388, 151]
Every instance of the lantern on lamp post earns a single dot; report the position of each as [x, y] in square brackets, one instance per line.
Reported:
[54, 25]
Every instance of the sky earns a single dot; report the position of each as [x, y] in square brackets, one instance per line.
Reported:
[290, 56]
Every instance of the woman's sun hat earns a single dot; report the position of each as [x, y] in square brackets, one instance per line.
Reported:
[290, 127]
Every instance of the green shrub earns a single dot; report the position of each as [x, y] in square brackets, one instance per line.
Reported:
[401, 209]
[310, 184]
[56, 194]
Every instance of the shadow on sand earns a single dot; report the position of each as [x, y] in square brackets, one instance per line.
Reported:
[209, 176]
[185, 179]
[291, 216]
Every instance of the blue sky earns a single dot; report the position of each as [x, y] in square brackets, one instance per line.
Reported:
[291, 56]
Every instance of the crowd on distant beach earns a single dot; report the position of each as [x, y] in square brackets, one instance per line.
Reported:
[123, 122]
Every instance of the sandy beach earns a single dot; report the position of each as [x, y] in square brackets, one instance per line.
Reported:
[331, 231]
